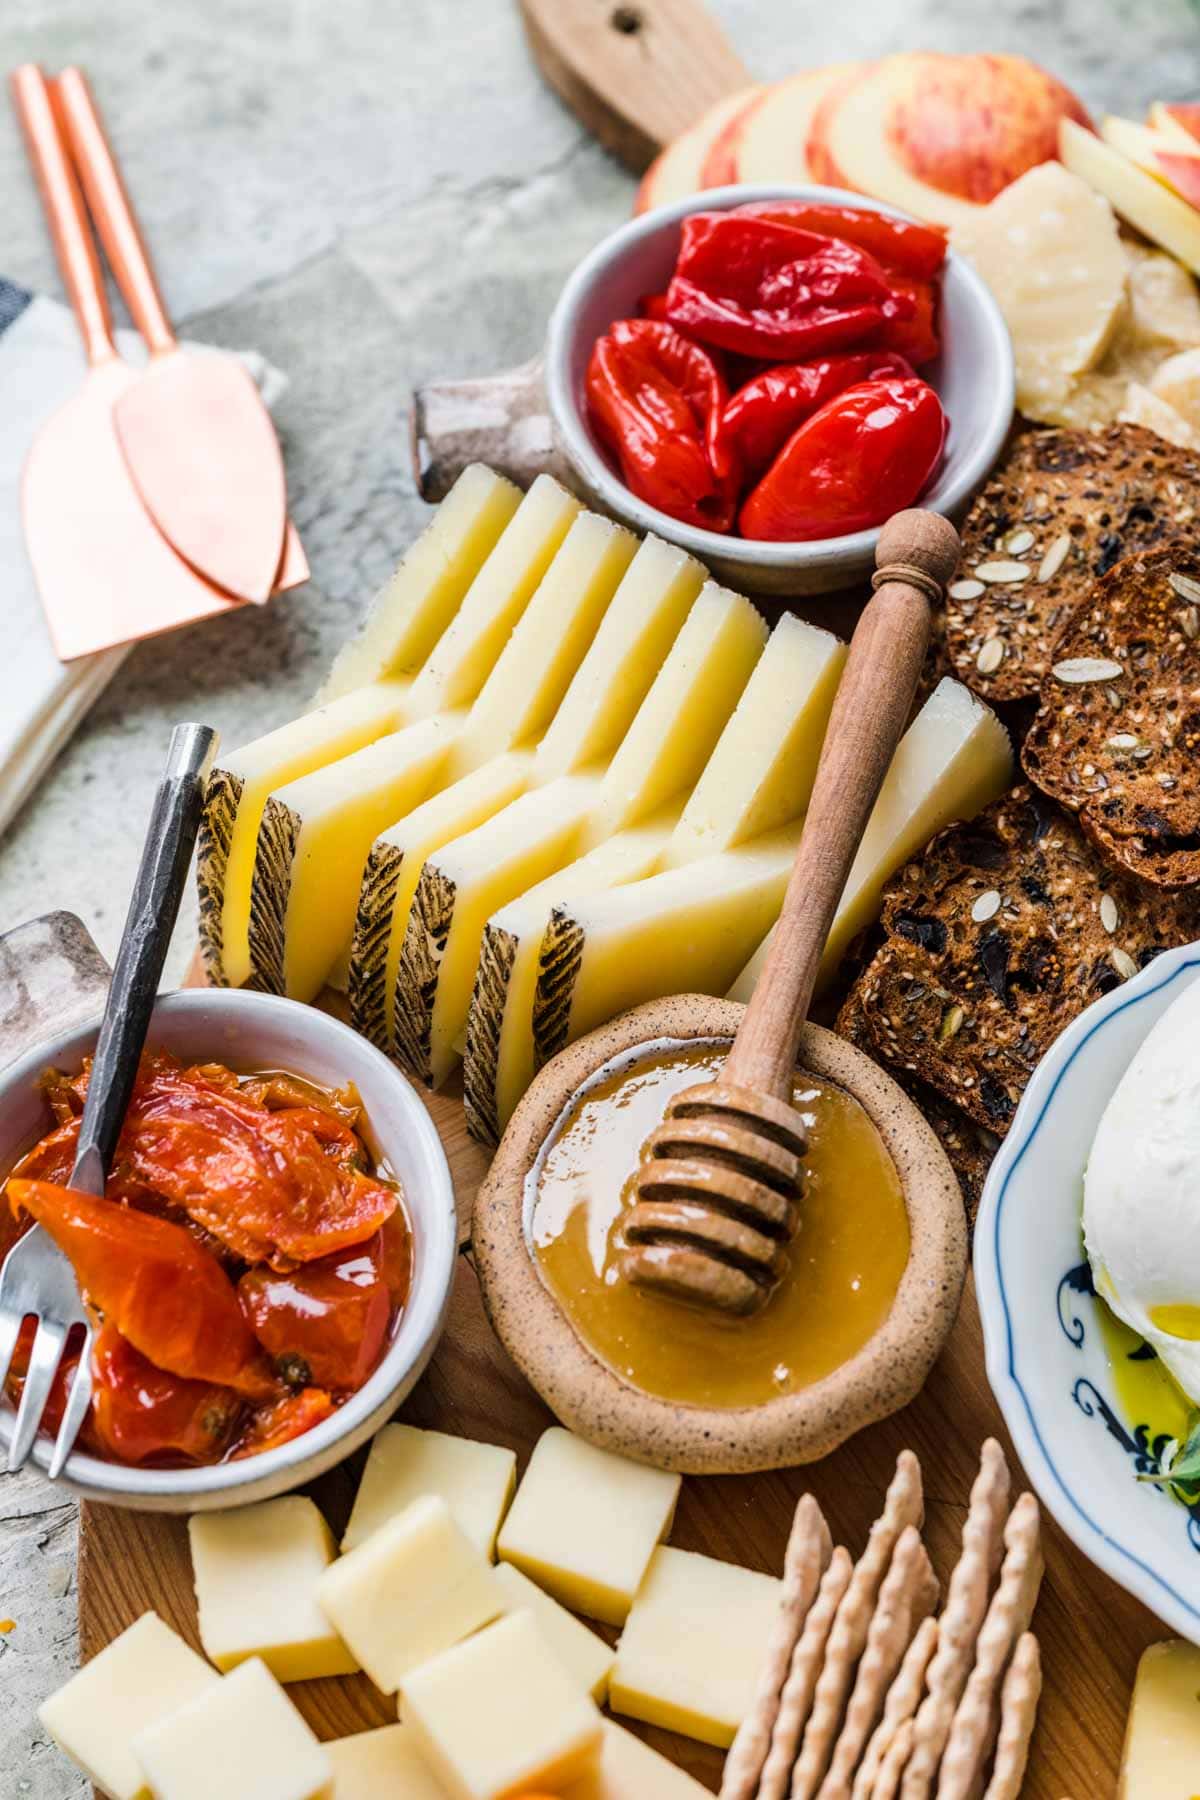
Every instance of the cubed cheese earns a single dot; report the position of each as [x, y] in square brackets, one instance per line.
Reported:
[631, 1770]
[142, 1677]
[475, 1480]
[410, 1590]
[586, 1657]
[499, 1716]
[693, 1644]
[242, 1739]
[1162, 1744]
[382, 1765]
[585, 1523]
[256, 1572]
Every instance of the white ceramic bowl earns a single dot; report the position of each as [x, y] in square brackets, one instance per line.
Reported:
[973, 376]
[1045, 1358]
[250, 1030]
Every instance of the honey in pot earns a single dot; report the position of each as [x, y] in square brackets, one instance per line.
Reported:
[844, 1265]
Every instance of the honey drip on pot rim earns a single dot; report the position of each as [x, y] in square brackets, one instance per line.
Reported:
[845, 1262]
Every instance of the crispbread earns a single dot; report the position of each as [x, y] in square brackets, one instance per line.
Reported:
[1003, 932]
[1089, 498]
[1117, 733]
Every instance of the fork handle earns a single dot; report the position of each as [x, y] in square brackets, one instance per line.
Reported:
[157, 891]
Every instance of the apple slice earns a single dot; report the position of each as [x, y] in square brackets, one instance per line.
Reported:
[679, 169]
[1158, 213]
[1182, 169]
[1158, 155]
[768, 141]
[940, 135]
[1179, 121]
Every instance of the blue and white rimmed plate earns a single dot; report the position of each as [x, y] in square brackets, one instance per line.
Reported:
[1046, 1357]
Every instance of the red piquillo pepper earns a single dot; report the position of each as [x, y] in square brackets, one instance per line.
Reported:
[762, 416]
[657, 401]
[775, 291]
[325, 1324]
[866, 453]
[899, 244]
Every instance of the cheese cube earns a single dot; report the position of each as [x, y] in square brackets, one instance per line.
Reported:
[691, 1650]
[143, 1676]
[630, 1770]
[242, 1739]
[587, 1659]
[475, 1480]
[585, 1523]
[382, 1765]
[1162, 1743]
[412, 1589]
[499, 1716]
[256, 1572]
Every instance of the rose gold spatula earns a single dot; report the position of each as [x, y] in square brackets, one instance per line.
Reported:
[198, 440]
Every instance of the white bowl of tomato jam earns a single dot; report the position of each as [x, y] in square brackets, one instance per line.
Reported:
[627, 278]
[265, 1225]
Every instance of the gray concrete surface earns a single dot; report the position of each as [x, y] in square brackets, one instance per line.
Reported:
[370, 192]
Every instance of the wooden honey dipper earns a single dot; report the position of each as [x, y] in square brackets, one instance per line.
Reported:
[718, 1189]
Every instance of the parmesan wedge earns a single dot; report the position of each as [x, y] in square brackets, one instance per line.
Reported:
[952, 761]
[409, 615]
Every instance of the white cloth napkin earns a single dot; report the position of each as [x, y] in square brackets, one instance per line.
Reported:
[41, 699]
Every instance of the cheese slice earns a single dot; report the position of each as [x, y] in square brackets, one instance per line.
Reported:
[952, 761]
[631, 1770]
[233, 808]
[463, 657]
[1163, 217]
[1049, 250]
[387, 1764]
[684, 930]
[242, 1739]
[475, 1480]
[587, 1659]
[1162, 1741]
[390, 877]
[312, 844]
[760, 775]
[409, 615]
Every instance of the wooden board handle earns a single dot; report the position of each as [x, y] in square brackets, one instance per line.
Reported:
[869, 715]
[502, 420]
[636, 74]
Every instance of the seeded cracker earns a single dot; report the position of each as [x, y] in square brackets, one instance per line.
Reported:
[1063, 507]
[807, 1661]
[965, 1610]
[1018, 1711]
[903, 1698]
[809, 1550]
[1003, 932]
[906, 1599]
[1117, 733]
[903, 1506]
[1008, 1616]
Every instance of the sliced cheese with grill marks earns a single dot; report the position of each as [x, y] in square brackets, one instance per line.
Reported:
[409, 615]
[237, 792]
[954, 759]
[465, 654]
[460, 886]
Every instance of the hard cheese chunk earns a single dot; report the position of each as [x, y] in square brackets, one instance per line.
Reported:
[475, 1480]
[1162, 1742]
[382, 1765]
[499, 1716]
[143, 1676]
[242, 1739]
[256, 1572]
[585, 1523]
[631, 1770]
[587, 1659]
[953, 760]
[693, 1644]
[411, 1590]
[1049, 250]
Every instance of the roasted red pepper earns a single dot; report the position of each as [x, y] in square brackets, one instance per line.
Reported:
[140, 1413]
[288, 1418]
[865, 454]
[657, 400]
[325, 1324]
[654, 306]
[763, 414]
[150, 1280]
[916, 337]
[899, 244]
[769, 290]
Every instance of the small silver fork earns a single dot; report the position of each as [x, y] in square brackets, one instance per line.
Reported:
[36, 1280]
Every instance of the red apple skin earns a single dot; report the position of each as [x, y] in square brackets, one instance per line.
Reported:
[822, 163]
[720, 165]
[1183, 173]
[1186, 115]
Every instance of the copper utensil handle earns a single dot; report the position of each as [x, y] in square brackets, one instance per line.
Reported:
[869, 715]
[111, 209]
[65, 214]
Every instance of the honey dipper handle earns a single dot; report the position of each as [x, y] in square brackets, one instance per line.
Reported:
[919, 552]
